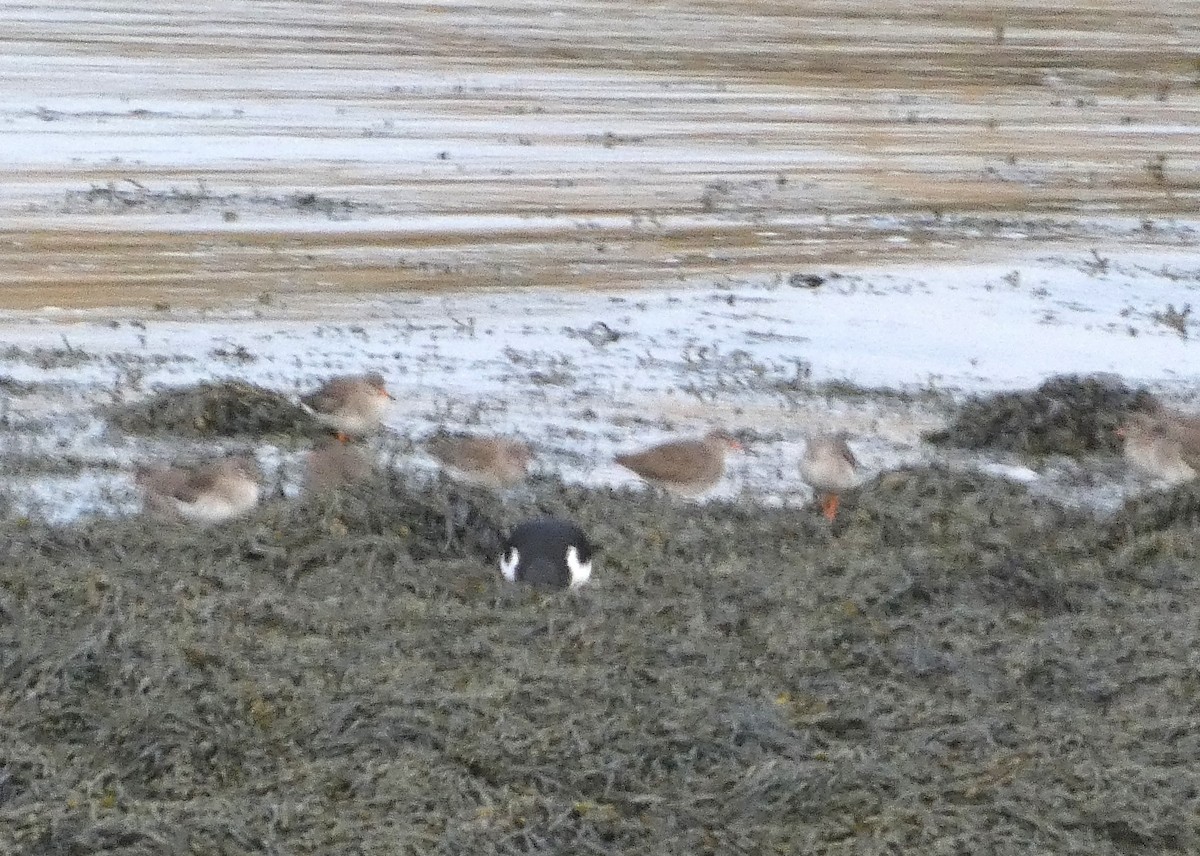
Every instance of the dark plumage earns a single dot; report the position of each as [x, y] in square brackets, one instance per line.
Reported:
[547, 553]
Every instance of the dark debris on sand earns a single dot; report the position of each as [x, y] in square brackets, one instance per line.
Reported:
[1066, 415]
[229, 408]
[954, 667]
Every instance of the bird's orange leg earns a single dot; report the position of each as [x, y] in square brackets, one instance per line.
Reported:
[829, 506]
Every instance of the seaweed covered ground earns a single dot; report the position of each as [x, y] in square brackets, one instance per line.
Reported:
[595, 226]
[955, 666]
[229, 408]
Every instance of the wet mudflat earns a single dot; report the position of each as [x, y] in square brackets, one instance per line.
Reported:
[206, 155]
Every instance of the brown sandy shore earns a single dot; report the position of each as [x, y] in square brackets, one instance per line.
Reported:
[207, 154]
[961, 664]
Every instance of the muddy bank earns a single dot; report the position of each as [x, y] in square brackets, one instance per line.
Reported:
[954, 664]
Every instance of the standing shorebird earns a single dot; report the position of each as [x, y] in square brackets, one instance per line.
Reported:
[494, 462]
[351, 405]
[205, 494]
[1162, 446]
[547, 553]
[333, 465]
[829, 468]
[684, 467]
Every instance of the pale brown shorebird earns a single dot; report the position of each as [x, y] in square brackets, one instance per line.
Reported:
[1162, 445]
[829, 468]
[333, 465]
[493, 462]
[205, 494]
[685, 467]
[350, 405]
[1186, 429]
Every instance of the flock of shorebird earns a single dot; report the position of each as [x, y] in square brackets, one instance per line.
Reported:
[543, 552]
[549, 551]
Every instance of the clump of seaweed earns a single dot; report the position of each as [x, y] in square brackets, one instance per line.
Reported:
[1066, 415]
[1157, 511]
[228, 408]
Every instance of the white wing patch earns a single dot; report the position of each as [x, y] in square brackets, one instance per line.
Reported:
[581, 572]
[508, 564]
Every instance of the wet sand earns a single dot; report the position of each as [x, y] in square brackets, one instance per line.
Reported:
[181, 157]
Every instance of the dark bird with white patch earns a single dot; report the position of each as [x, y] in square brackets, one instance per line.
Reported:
[547, 553]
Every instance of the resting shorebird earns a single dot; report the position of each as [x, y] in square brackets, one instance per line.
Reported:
[547, 553]
[1185, 428]
[495, 462]
[205, 494]
[684, 467]
[829, 467]
[334, 465]
[1162, 446]
[352, 405]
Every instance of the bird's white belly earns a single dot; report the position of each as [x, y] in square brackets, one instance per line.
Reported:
[362, 420]
[218, 507]
[1157, 463]
[833, 476]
